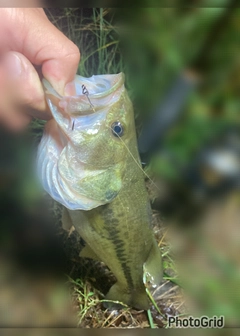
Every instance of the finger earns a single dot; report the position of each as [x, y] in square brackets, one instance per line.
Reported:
[14, 121]
[33, 35]
[24, 89]
[8, 116]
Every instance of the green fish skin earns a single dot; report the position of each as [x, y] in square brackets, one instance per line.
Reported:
[120, 235]
[118, 229]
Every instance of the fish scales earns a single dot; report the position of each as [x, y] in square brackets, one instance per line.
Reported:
[98, 178]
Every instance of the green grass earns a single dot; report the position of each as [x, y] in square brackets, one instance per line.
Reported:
[153, 59]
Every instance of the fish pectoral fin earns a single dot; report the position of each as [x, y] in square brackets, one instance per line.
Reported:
[87, 252]
[119, 297]
[152, 268]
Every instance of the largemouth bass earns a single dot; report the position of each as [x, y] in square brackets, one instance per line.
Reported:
[88, 161]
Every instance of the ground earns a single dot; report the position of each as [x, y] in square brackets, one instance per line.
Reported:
[45, 283]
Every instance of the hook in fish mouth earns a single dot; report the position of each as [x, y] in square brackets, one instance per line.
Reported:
[86, 93]
[97, 89]
[97, 86]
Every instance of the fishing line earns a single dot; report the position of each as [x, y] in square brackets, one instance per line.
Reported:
[86, 93]
[137, 163]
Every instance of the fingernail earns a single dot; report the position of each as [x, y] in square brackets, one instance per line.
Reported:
[14, 65]
[70, 89]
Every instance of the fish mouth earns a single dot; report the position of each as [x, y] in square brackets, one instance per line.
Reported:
[99, 86]
[92, 93]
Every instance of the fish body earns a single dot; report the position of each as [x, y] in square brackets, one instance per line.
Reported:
[88, 160]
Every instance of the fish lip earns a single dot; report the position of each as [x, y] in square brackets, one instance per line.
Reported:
[120, 78]
[115, 82]
[119, 82]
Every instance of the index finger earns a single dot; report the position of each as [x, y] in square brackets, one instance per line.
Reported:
[28, 31]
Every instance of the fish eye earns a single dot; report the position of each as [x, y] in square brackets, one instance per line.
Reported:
[117, 129]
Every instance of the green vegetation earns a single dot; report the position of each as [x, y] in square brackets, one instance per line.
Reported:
[152, 46]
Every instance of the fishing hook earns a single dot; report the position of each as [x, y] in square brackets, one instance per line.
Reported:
[86, 93]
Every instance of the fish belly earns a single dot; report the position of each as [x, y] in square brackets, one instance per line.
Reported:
[119, 235]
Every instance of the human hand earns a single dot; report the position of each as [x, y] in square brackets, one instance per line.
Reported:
[28, 38]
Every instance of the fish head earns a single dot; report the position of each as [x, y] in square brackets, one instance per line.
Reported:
[99, 124]
[88, 140]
